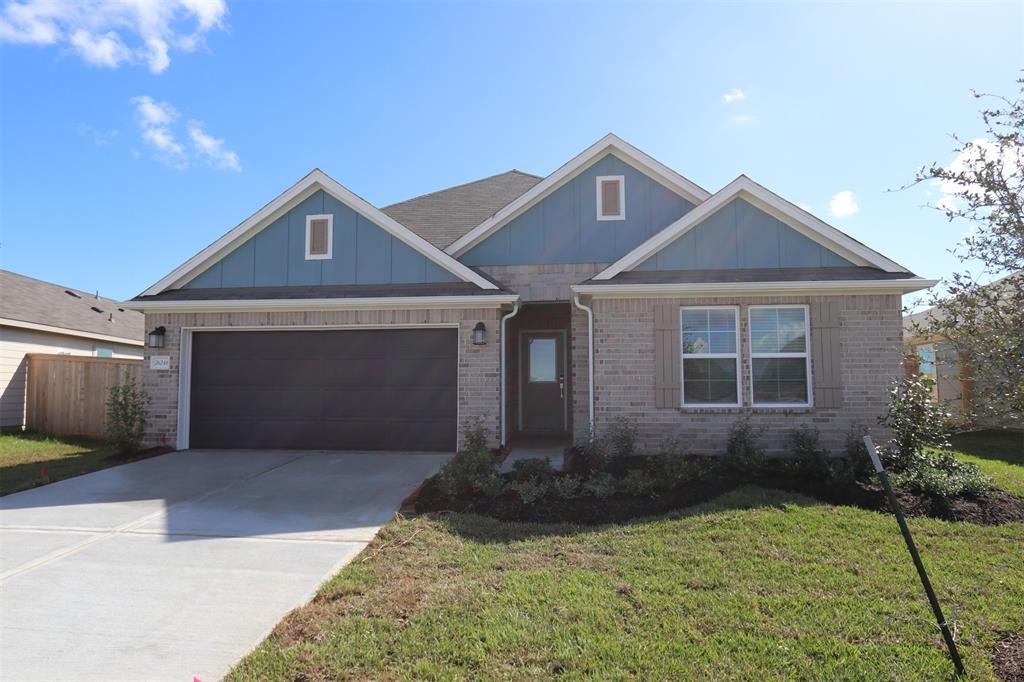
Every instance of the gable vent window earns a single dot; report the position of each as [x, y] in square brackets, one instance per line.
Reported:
[319, 237]
[611, 197]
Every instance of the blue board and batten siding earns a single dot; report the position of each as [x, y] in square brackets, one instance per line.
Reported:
[563, 227]
[740, 235]
[363, 253]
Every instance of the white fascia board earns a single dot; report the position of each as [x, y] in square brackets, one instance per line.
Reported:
[290, 304]
[699, 289]
[64, 331]
[792, 215]
[608, 144]
[287, 200]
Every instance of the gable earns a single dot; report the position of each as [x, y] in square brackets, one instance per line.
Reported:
[563, 226]
[741, 235]
[363, 253]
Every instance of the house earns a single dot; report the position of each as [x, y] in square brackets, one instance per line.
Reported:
[39, 317]
[613, 287]
[937, 358]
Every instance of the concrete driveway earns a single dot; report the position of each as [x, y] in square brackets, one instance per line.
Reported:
[177, 566]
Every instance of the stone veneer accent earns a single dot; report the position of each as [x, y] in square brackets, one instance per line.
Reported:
[870, 337]
[479, 369]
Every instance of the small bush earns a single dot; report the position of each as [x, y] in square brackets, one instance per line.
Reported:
[809, 459]
[567, 487]
[916, 422]
[621, 437]
[639, 483]
[532, 491]
[856, 464]
[587, 457]
[671, 471]
[126, 417]
[743, 452]
[601, 485]
[532, 469]
[473, 469]
[943, 476]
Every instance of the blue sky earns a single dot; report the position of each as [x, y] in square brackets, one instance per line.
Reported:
[130, 141]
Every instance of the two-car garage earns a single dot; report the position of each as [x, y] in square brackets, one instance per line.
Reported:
[324, 389]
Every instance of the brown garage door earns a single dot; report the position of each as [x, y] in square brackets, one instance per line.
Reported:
[390, 389]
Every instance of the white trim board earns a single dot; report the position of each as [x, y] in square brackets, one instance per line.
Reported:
[5, 322]
[826, 288]
[769, 202]
[289, 304]
[314, 181]
[608, 144]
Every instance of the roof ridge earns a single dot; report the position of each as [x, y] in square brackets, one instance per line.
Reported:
[92, 295]
[464, 184]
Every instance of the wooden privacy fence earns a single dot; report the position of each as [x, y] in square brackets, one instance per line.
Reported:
[67, 394]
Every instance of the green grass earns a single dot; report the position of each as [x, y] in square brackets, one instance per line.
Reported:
[23, 456]
[758, 584]
[998, 453]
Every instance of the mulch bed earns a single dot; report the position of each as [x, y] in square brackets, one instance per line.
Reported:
[996, 508]
[1008, 659]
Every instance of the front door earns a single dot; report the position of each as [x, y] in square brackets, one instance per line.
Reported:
[543, 396]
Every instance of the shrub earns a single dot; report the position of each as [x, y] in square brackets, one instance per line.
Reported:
[601, 485]
[944, 476]
[567, 487]
[587, 457]
[473, 469]
[532, 491]
[856, 464]
[915, 421]
[621, 437]
[809, 459]
[671, 471]
[126, 417]
[639, 483]
[743, 453]
[532, 469]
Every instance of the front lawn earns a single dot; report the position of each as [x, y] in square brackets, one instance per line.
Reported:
[756, 584]
[28, 460]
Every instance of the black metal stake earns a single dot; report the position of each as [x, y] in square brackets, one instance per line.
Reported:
[932, 599]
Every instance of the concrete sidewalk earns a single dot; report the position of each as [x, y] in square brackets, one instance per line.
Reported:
[177, 566]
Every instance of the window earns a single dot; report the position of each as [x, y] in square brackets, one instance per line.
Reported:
[104, 352]
[543, 363]
[711, 360]
[319, 237]
[611, 197]
[780, 364]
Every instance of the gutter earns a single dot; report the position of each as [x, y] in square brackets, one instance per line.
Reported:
[504, 384]
[590, 357]
[287, 304]
[823, 288]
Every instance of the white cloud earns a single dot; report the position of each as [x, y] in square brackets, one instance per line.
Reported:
[156, 122]
[733, 95]
[212, 149]
[843, 204]
[109, 33]
[100, 137]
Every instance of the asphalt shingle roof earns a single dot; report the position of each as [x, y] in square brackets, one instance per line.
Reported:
[442, 217]
[31, 300]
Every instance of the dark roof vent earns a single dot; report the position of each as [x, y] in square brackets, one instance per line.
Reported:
[71, 293]
[96, 309]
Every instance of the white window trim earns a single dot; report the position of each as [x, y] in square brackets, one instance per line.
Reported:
[806, 355]
[621, 179]
[329, 217]
[709, 356]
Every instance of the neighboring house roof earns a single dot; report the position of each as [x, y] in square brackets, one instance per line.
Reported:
[937, 313]
[34, 304]
[315, 181]
[609, 144]
[443, 216]
[789, 213]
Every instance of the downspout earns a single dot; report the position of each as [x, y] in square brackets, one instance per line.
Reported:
[504, 386]
[590, 356]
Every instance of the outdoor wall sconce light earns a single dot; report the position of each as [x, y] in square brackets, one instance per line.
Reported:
[479, 334]
[156, 337]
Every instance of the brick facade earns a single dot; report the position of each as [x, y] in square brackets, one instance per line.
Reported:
[871, 356]
[479, 369]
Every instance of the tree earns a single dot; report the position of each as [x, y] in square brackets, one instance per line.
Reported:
[981, 318]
